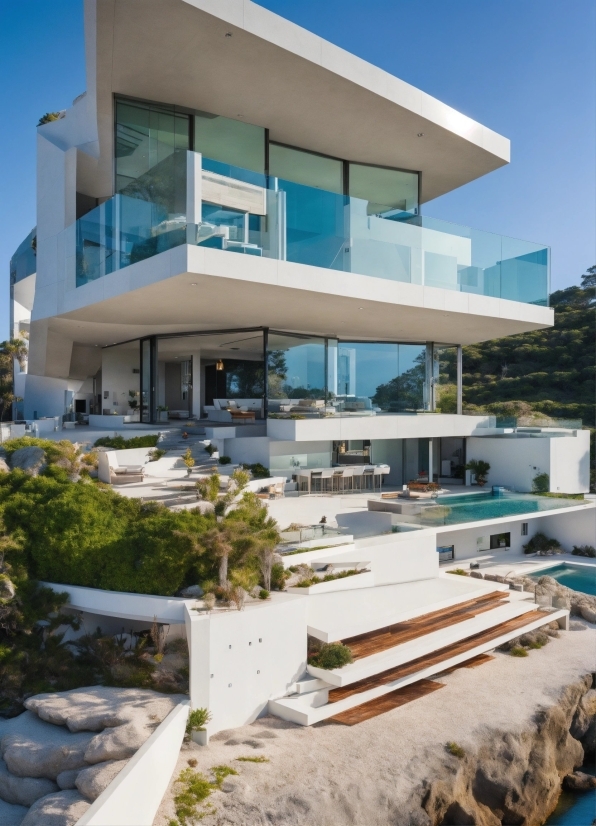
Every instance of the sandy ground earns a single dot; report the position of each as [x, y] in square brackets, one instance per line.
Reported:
[387, 757]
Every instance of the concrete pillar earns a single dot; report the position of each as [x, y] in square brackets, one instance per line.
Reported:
[430, 460]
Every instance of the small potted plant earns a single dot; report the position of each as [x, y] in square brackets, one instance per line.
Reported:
[480, 470]
[162, 414]
[195, 726]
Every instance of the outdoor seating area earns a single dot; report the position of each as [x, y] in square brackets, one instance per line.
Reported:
[234, 410]
[345, 479]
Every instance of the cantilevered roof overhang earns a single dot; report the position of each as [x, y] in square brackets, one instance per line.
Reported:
[237, 59]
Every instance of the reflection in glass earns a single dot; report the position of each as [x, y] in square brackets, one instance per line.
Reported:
[146, 371]
[229, 141]
[296, 373]
[388, 192]
[445, 378]
[306, 168]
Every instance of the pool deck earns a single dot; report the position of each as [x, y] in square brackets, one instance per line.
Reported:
[506, 563]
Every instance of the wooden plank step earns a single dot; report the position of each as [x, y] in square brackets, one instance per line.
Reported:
[383, 638]
[387, 702]
[436, 658]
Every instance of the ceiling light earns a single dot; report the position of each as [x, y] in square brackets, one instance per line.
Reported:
[234, 348]
[193, 284]
[219, 365]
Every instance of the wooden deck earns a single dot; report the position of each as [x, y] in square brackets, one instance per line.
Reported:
[387, 702]
[384, 638]
[436, 658]
[473, 663]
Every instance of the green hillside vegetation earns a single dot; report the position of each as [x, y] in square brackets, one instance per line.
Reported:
[543, 374]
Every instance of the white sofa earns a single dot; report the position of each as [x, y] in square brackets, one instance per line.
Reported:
[122, 467]
[219, 411]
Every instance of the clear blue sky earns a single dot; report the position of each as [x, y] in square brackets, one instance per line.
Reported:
[525, 68]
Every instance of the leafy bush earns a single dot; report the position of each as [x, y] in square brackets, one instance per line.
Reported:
[584, 550]
[192, 789]
[458, 571]
[541, 483]
[518, 651]
[221, 772]
[210, 449]
[225, 460]
[278, 576]
[49, 117]
[197, 720]
[540, 543]
[258, 470]
[156, 454]
[480, 469]
[258, 759]
[314, 580]
[55, 451]
[331, 655]
[120, 443]
[264, 593]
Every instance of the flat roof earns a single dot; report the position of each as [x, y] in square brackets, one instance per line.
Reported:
[237, 59]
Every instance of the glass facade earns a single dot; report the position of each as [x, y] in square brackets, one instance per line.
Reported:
[305, 208]
[295, 372]
[444, 378]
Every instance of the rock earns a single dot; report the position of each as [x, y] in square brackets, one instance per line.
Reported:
[66, 780]
[589, 614]
[60, 809]
[234, 784]
[100, 707]
[30, 459]
[11, 815]
[256, 744]
[117, 743]
[7, 589]
[91, 782]
[23, 791]
[4, 466]
[193, 591]
[266, 735]
[233, 741]
[34, 748]
[585, 715]
[476, 575]
[579, 782]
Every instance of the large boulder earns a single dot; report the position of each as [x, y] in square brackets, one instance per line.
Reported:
[33, 748]
[67, 780]
[91, 782]
[117, 743]
[31, 459]
[579, 782]
[60, 809]
[23, 791]
[4, 465]
[100, 707]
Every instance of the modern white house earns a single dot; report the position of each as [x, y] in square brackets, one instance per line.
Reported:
[331, 352]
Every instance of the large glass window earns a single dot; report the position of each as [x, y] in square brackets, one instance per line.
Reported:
[388, 192]
[296, 374]
[306, 168]
[445, 378]
[229, 142]
[371, 378]
[145, 136]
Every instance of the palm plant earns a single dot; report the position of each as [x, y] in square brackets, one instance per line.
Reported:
[480, 469]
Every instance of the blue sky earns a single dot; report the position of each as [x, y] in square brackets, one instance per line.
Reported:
[525, 68]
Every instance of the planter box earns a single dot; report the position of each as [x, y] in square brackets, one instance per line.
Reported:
[347, 583]
[201, 737]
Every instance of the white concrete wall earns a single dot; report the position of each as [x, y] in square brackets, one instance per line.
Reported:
[389, 452]
[570, 463]
[576, 528]
[241, 659]
[134, 796]
[117, 377]
[516, 460]
[46, 395]
[396, 558]
[249, 450]
[475, 541]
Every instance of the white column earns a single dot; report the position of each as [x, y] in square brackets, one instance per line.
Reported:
[430, 460]
[196, 384]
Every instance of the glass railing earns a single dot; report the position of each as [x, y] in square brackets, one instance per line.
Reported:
[244, 212]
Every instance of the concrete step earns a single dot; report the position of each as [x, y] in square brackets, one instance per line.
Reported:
[297, 709]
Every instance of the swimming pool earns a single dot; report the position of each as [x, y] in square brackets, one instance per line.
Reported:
[474, 507]
[578, 578]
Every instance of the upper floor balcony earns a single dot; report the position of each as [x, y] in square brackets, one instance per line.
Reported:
[189, 199]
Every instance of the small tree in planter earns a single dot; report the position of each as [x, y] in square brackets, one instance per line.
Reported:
[480, 469]
[188, 461]
[195, 725]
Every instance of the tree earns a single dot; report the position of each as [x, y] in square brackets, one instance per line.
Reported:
[589, 277]
[10, 351]
[480, 469]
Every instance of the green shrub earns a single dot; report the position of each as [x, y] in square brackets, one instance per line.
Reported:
[49, 117]
[264, 594]
[584, 550]
[331, 655]
[225, 460]
[455, 750]
[156, 454]
[210, 449]
[480, 469]
[541, 483]
[278, 576]
[518, 651]
[120, 443]
[258, 470]
[541, 542]
[221, 772]
[458, 571]
[193, 789]
[197, 720]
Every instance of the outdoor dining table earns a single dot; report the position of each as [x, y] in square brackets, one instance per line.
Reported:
[344, 479]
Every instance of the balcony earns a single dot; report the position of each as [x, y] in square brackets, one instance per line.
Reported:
[189, 199]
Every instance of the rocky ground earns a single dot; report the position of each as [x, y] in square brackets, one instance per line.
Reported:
[517, 722]
[60, 754]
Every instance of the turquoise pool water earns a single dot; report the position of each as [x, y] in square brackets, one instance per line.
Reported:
[473, 507]
[578, 579]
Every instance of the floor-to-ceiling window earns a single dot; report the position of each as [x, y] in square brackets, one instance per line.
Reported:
[295, 373]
